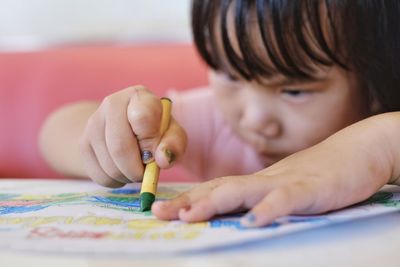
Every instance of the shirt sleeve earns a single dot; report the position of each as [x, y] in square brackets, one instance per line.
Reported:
[213, 150]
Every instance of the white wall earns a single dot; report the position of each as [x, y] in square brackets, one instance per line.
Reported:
[31, 24]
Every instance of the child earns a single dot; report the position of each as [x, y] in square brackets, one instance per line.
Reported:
[299, 117]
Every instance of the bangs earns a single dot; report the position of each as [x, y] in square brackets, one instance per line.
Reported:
[287, 37]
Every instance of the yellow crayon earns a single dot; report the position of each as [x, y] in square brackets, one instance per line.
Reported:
[152, 171]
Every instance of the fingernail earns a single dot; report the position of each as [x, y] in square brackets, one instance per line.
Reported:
[184, 210]
[159, 203]
[170, 156]
[147, 156]
[248, 220]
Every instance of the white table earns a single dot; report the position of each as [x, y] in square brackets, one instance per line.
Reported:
[367, 242]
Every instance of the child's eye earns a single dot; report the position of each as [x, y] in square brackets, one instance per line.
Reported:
[231, 77]
[295, 92]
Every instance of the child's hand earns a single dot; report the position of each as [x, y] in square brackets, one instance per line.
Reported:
[344, 169]
[125, 125]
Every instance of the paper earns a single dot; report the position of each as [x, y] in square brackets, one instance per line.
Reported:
[81, 217]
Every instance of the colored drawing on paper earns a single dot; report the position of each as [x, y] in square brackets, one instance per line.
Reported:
[122, 199]
[385, 198]
[82, 217]
[119, 199]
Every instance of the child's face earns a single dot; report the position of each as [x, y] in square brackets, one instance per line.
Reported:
[280, 116]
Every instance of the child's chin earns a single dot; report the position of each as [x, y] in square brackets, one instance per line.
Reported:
[268, 160]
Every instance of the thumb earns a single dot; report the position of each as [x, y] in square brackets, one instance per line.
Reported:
[149, 118]
[172, 145]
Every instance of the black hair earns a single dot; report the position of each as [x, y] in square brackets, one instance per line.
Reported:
[362, 36]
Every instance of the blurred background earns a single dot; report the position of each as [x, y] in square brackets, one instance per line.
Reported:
[34, 24]
[54, 52]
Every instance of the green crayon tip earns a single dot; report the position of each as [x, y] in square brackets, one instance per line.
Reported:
[146, 200]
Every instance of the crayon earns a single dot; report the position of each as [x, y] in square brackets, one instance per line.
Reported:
[152, 171]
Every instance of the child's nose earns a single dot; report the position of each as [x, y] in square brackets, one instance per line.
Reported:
[272, 130]
[262, 120]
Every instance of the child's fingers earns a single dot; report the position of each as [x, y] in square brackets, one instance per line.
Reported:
[144, 115]
[169, 209]
[106, 163]
[172, 145]
[218, 196]
[95, 151]
[121, 142]
[215, 202]
[282, 201]
[94, 169]
[232, 195]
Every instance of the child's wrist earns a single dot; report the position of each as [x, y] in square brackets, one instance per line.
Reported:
[390, 136]
[369, 146]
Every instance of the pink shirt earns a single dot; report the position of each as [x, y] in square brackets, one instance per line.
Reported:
[213, 148]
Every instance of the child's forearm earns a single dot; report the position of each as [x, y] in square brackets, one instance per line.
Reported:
[390, 141]
[60, 134]
[374, 147]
